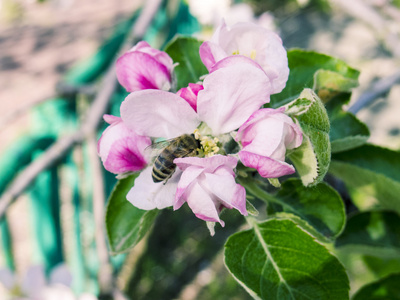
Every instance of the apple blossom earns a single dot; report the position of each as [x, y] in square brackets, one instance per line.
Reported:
[208, 185]
[265, 136]
[226, 102]
[120, 148]
[256, 42]
[144, 67]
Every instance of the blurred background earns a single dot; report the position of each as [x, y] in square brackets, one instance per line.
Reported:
[55, 56]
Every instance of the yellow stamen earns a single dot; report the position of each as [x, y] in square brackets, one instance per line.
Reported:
[209, 146]
[253, 54]
[196, 134]
[236, 52]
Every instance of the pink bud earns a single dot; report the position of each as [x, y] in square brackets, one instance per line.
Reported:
[190, 94]
[120, 148]
[144, 67]
[265, 136]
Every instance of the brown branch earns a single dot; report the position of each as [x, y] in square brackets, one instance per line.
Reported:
[63, 90]
[105, 276]
[98, 107]
[379, 89]
[362, 11]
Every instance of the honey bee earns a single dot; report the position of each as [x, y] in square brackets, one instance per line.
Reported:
[182, 146]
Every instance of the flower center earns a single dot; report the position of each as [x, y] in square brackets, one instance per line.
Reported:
[252, 55]
[209, 145]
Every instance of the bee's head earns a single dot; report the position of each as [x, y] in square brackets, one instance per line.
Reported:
[197, 140]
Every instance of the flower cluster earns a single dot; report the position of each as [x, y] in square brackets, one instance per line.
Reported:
[246, 65]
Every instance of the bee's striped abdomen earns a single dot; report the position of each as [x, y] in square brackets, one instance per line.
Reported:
[163, 166]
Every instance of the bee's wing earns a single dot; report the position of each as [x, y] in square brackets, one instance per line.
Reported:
[156, 148]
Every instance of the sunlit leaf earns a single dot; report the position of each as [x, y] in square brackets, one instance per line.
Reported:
[328, 84]
[276, 260]
[371, 171]
[303, 65]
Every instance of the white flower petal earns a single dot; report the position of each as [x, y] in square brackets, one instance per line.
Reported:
[202, 204]
[158, 113]
[148, 195]
[231, 95]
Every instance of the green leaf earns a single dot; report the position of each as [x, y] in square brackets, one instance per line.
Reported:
[347, 132]
[373, 233]
[312, 158]
[387, 288]
[328, 84]
[278, 260]
[320, 206]
[382, 266]
[185, 51]
[298, 107]
[126, 224]
[371, 171]
[303, 65]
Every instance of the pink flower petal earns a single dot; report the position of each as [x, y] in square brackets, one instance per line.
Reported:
[186, 179]
[110, 119]
[210, 53]
[231, 194]
[160, 56]
[138, 71]
[148, 195]
[231, 95]
[234, 59]
[158, 113]
[266, 166]
[121, 149]
[269, 132]
[208, 184]
[190, 94]
[202, 204]
[209, 164]
[256, 42]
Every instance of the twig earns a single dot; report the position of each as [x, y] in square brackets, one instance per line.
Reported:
[362, 11]
[94, 116]
[380, 88]
[63, 90]
[99, 199]
[62, 145]
[12, 116]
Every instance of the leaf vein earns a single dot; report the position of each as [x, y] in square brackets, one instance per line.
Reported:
[269, 256]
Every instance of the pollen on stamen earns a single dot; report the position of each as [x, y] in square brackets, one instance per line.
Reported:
[236, 52]
[253, 54]
[197, 134]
